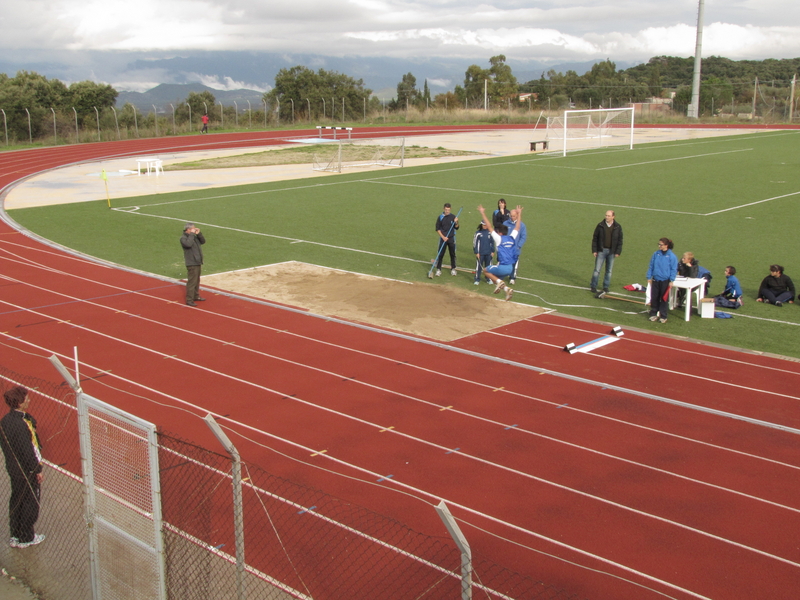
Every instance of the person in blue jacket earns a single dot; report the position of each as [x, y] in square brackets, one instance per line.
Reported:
[511, 224]
[505, 242]
[731, 296]
[660, 274]
[483, 248]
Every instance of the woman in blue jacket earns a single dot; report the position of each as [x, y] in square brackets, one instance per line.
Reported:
[660, 274]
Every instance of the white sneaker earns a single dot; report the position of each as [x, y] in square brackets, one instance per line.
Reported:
[509, 293]
[512, 281]
[37, 539]
[14, 542]
[489, 281]
[654, 318]
[500, 285]
[438, 272]
[477, 283]
[453, 272]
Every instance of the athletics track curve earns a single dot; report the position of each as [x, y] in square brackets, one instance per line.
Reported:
[661, 467]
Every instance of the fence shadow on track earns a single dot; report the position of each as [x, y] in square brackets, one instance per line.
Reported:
[300, 542]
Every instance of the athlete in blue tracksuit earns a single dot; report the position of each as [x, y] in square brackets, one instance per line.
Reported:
[521, 239]
[507, 252]
[483, 248]
[661, 273]
[731, 296]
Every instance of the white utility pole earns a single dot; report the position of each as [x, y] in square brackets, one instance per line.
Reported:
[694, 107]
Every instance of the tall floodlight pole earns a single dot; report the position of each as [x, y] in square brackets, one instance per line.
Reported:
[694, 107]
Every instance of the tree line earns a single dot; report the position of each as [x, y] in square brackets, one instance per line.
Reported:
[34, 107]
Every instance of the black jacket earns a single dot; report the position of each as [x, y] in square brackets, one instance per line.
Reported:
[599, 237]
[20, 444]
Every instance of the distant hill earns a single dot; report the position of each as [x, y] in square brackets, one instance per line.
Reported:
[172, 93]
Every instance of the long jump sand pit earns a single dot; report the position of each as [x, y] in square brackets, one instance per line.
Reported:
[436, 311]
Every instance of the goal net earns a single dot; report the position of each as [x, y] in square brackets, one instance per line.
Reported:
[336, 155]
[597, 128]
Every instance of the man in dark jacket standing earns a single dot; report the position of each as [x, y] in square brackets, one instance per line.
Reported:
[22, 450]
[192, 240]
[606, 246]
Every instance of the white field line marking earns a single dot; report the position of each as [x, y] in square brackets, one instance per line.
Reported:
[689, 375]
[339, 346]
[663, 160]
[716, 212]
[395, 483]
[526, 197]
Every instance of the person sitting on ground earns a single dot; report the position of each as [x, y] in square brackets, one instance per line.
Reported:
[507, 256]
[776, 288]
[731, 296]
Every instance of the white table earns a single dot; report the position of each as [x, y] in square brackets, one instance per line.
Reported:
[151, 163]
[692, 286]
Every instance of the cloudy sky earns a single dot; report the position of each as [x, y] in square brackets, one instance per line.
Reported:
[550, 31]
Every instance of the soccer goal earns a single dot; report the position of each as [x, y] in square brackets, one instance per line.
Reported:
[597, 128]
[334, 156]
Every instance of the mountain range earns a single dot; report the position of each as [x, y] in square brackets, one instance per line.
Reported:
[158, 78]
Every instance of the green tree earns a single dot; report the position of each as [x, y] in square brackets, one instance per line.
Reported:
[85, 96]
[407, 92]
[504, 84]
[326, 93]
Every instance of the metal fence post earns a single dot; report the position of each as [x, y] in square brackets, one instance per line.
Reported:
[466, 554]
[238, 510]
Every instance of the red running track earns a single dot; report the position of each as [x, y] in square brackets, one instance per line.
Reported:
[649, 468]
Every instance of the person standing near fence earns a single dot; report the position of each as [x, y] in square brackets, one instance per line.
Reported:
[192, 240]
[606, 246]
[23, 454]
[204, 119]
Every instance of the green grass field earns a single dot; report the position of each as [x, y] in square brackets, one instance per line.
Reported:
[731, 200]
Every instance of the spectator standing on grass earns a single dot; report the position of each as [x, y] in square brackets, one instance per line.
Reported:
[192, 241]
[204, 119]
[507, 256]
[776, 288]
[23, 454]
[446, 226]
[731, 296]
[606, 246]
[501, 215]
[483, 247]
[511, 224]
[661, 272]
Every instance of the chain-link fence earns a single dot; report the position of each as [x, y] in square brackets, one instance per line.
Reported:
[299, 542]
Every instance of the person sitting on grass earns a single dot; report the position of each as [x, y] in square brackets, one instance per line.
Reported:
[506, 244]
[731, 296]
[776, 288]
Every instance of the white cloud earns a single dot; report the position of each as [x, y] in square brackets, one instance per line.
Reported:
[224, 83]
[542, 29]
